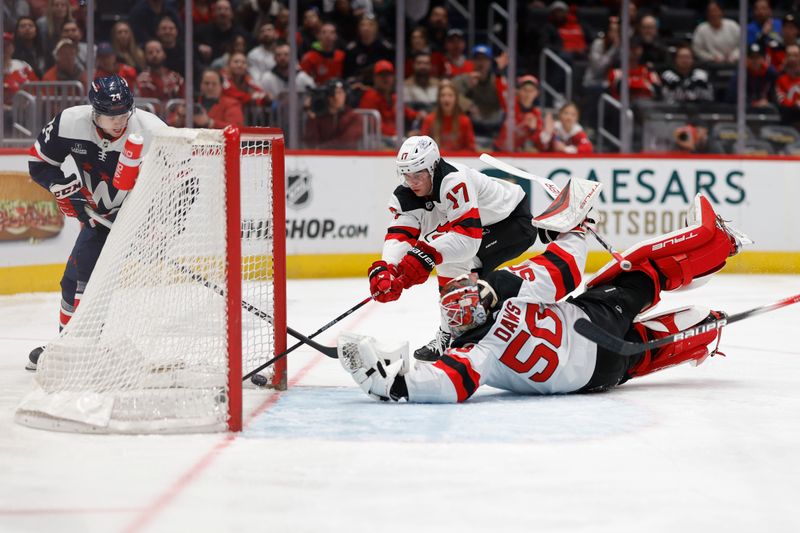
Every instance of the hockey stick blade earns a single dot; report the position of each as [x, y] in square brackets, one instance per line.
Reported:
[289, 350]
[601, 337]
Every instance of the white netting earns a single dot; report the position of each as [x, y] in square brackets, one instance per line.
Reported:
[146, 350]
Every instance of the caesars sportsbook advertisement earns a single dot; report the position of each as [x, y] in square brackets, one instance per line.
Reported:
[336, 204]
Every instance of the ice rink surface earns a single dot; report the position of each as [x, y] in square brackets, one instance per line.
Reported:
[711, 448]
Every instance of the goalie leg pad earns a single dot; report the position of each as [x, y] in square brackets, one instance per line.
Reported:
[693, 349]
[682, 256]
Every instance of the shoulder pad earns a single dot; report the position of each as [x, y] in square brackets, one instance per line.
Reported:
[76, 123]
[442, 169]
[409, 201]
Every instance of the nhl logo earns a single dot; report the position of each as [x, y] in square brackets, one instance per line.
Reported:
[429, 206]
[298, 189]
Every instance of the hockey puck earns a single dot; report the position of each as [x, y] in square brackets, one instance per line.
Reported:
[259, 381]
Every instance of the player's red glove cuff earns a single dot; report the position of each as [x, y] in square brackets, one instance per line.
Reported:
[417, 264]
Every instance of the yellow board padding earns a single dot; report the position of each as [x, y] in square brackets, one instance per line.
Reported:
[31, 278]
[355, 265]
[45, 278]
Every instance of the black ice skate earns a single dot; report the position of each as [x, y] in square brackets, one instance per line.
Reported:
[33, 358]
[432, 351]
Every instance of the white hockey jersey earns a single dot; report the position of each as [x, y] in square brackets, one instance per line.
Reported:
[72, 133]
[531, 348]
[452, 218]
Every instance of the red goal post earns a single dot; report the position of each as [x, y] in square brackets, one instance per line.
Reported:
[250, 144]
[188, 293]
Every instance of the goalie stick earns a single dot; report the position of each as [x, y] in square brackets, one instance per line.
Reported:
[330, 351]
[601, 337]
[553, 190]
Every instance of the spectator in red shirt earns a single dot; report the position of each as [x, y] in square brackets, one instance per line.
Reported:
[15, 74]
[327, 62]
[239, 84]
[564, 135]
[455, 61]
[642, 82]
[107, 65]
[337, 127]
[527, 117]
[564, 32]
[382, 98]
[66, 67]
[156, 80]
[787, 87]
[213, 109]
[448, 125]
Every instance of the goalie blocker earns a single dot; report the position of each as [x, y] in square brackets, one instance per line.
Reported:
[527, 343]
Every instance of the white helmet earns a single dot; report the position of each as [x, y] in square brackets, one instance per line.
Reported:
[419, 152]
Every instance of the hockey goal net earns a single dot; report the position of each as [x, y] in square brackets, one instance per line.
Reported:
[188, 292]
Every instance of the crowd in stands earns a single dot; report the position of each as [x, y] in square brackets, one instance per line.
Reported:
[682, 63]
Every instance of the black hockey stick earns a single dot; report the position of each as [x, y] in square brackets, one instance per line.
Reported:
[620, 346]
[330, 351]
[327, 350]
[297, 345]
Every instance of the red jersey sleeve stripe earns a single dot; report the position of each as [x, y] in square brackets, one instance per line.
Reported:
[569, 259]
[473, 233]
[473, 214]
[559, 272]
[469, 224]
[460, 371]
[402, 233]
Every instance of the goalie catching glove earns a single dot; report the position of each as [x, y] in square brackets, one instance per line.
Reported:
[384, 282]
[417, 264]
[378, 372]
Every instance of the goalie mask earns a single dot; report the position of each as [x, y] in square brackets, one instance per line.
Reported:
[466, 302]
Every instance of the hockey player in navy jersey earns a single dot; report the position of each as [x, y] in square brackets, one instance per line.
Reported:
[93, 136]
[513, 333]
[451, 217]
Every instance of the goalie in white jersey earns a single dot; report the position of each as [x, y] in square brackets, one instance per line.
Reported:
[451, 217]
[513, 332]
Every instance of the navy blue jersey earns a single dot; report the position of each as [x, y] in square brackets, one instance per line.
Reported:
[73, 133]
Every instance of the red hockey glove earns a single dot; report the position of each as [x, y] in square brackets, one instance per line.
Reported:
[416, 265]
[384, 283]
[72, 198]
